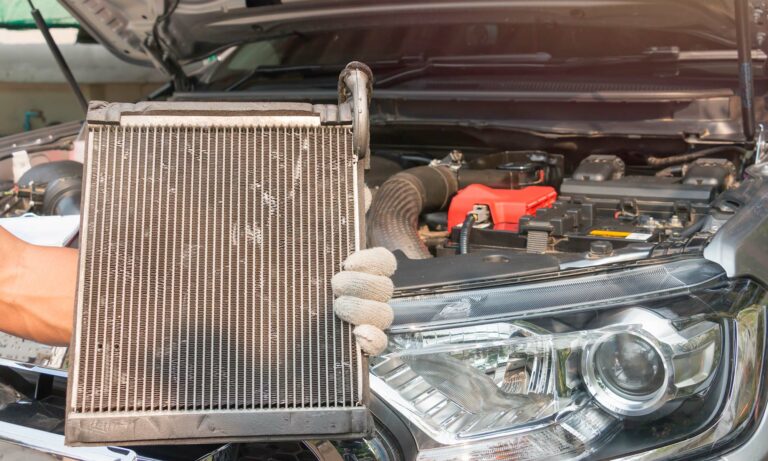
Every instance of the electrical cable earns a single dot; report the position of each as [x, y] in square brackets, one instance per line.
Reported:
[466, 229]
[683, 158]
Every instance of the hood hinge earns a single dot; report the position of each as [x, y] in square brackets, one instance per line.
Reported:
[168, 65]
[162, 57]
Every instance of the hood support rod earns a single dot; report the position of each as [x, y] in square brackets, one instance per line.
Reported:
[56, 52]
[746, 80]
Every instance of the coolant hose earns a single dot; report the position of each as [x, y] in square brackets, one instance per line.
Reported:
[393, 219]
[692, 228]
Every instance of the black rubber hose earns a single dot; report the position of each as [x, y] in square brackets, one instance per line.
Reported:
[466, 230]
[683, 158]
[393, 219]
[692, 228]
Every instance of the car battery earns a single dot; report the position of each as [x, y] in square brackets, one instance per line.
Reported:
[506, 206]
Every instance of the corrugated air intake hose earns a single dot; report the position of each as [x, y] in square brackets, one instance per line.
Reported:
[393, 219]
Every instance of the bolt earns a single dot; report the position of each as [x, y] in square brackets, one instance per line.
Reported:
[457, 156]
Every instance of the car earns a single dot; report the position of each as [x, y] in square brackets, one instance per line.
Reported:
[575, 192]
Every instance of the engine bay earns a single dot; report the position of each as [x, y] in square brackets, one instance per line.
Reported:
[561, 210]
[595, 212]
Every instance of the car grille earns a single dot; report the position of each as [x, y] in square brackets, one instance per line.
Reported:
[204, 307]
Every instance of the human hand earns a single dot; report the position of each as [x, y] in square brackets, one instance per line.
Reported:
[37, 290]
[363, 289]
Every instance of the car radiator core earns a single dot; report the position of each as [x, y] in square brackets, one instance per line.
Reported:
[204, 307]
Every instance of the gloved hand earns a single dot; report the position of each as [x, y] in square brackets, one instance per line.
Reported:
[363, 289]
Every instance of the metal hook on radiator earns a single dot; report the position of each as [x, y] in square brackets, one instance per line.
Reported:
[355, 88]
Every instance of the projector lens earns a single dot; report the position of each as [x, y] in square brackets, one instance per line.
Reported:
[629, 366]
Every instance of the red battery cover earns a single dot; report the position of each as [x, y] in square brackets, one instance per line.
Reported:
[507, 206]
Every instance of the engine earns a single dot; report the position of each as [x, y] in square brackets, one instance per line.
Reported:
[532, 202]
[47, 189]
[526, 202]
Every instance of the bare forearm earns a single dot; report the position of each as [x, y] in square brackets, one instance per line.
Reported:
[37, 290]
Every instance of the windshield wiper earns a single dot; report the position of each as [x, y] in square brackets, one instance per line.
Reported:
[319, 70]
[407, 68]
[527, 61]
[268, 71]
[402, 66]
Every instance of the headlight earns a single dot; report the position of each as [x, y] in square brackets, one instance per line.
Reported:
[642, 362]
[599, 376]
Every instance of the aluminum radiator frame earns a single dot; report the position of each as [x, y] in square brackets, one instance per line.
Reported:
[241, 421]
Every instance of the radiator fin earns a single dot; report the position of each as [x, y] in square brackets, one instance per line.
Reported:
[205, 278]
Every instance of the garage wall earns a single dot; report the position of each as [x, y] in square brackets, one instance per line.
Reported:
[57, 102]
[31, 80]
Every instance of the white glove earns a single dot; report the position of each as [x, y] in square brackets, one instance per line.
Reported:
[363, 289]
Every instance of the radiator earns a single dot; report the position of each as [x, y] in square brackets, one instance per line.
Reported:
[210, 233]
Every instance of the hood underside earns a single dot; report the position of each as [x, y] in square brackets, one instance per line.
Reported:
[193, 29]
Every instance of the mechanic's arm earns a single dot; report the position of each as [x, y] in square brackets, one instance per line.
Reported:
[37, 290]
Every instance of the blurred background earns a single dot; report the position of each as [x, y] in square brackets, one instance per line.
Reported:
[33, 92]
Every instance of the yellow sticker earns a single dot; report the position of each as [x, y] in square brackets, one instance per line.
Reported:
[609, 233]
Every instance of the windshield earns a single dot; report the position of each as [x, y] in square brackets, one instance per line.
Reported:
[391, 45]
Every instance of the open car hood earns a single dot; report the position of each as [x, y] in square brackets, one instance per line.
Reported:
[193, 29]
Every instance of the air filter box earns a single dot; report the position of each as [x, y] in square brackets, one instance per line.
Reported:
[507, 206]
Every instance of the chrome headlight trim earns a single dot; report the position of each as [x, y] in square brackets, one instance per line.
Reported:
[609, 398]
[742, 399]
[675, 348]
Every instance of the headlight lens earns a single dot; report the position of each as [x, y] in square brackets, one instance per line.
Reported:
[629, 366]
[643, 361]
[572, 383]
